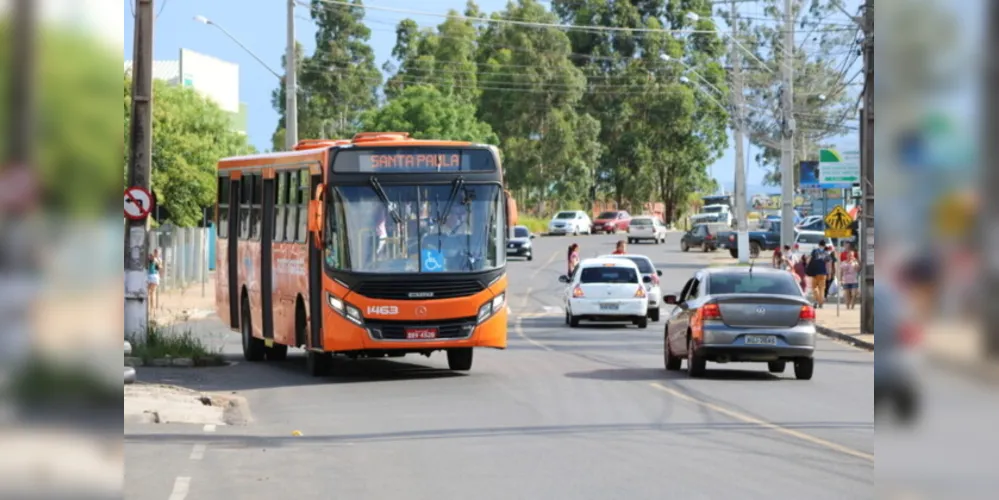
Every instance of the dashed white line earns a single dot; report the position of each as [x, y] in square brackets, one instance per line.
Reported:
[198, 452]
[209, 427]
[181, 486]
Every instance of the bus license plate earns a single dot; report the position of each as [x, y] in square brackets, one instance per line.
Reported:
[421, 333]
[761, 340]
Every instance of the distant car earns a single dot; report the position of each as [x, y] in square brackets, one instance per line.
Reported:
[611, 222]
[606, 290]
[812, 223]
[703, 236]
[570, 222]
[646, 227]
[650, 276]
[809, 240]
[740, 314]
[520, 244]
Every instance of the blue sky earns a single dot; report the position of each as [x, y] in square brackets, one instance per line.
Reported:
[260, 25]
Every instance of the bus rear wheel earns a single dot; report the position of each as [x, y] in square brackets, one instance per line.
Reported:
[460, 359]
[276, 352]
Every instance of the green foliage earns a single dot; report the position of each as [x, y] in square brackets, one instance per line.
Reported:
[190, 135]
[76, 125]
[536, 225]
[427, 114]
[338, 83]
[160, 344]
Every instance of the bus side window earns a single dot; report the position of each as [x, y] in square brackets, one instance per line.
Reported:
[304, 194]
[255, 206]
[246, 190]
[291, 209]
[280, 206]
[222, 212]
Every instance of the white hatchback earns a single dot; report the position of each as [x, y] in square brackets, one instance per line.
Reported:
[646, 228]
[606, 290]
[569, 222]
[650, 276]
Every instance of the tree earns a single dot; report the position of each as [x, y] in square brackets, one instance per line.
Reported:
[426, 113]
[444, 58]
[826, 77]
[190, 135]
[530, 94]
[660, 134]
[339, 82]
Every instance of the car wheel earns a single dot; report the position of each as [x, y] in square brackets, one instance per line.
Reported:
[253, 348]
[696, 365]
[906, 405]
[803, 368]
[573, 321]
[460, 359]
[684, 246]
[566, 316]
[754, 249]
[318, 364]
[776, 366]
[654, 314]
[530, 257]
[642, 323]
[734, 253]
[672, 362]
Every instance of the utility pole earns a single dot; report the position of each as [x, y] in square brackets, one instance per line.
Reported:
[867, 175]
[740, 157]
[291, 85]
[139, 168]
[787, 130]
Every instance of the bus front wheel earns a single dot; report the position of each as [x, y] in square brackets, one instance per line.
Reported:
[318, 364]
[460, 359]
[253, 348]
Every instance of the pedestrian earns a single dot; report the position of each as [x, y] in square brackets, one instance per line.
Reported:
[621, 249]
[153, 278]
[572, 259]
[831, 265]
[849, 278]
[798, 266]
[777, 260]
[817, 270]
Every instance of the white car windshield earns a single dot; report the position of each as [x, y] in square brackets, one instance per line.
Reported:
[521, 232]
[566, 215]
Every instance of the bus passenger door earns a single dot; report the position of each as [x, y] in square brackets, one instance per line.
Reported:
[315, 280]
[232, 253]
[267, 260]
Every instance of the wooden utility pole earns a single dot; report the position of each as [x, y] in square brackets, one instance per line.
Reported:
[139, 169]
[867, 175]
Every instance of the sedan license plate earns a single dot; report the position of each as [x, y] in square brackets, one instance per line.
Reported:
[608, 306]
[421, 333]
[761, 340]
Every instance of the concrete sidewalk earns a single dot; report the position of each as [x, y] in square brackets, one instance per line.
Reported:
[844, 325]
[187, 304]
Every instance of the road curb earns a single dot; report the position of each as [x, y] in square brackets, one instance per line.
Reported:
[842, 337]
[981, 371]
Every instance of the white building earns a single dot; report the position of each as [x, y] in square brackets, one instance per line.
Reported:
[213, 78]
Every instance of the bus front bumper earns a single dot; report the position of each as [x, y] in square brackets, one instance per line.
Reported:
[343, 335]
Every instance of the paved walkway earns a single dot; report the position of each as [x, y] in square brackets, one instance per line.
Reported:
[185, 304]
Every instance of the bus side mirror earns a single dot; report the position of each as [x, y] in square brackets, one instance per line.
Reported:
[316, 221]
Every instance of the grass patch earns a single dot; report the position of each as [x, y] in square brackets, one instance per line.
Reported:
[160, 343]
[534, 224]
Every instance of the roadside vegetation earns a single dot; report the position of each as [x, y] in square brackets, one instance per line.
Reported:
[162, 343]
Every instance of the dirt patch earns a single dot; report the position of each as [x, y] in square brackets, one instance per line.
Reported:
[166, 404]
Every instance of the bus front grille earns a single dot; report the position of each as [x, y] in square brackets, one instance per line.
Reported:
[420, 291]
[458, 328]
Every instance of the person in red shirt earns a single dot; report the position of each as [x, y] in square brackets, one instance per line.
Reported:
[847, 249]
[621, 249]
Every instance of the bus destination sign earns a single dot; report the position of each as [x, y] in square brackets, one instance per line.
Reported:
[414, 160]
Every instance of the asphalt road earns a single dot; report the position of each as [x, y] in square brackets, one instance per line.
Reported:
[561, 414]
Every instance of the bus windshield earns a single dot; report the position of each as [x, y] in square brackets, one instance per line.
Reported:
[367, 237]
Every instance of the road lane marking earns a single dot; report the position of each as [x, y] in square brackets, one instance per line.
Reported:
[209, 427]
[520, 331]
[534, 275]
[198, 452]
[766, 425]
[180, 488]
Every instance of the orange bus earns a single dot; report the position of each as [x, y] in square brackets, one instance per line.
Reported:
[381, 245]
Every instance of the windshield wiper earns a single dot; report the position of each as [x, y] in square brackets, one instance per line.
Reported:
[455, 187]
[377, 186]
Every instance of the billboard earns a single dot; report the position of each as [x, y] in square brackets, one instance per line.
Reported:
[213, 78]
[839, 170]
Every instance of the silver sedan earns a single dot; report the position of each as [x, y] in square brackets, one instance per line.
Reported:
[739, 314]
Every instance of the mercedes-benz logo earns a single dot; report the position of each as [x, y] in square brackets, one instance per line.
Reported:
[761, 310]
[421, 310]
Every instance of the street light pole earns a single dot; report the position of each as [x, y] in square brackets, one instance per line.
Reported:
[291, 85]
[205, 20]
[740, 156]
[787, 130]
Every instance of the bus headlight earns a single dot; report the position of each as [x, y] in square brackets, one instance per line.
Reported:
[498, 302]
[344, 309]
[485, 311]
[335, 303]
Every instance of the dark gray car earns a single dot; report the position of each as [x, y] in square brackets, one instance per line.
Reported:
[739, 314]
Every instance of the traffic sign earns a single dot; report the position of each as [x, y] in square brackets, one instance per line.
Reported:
[838, 170]
[138, 203]
[838, 223]
[839, 233]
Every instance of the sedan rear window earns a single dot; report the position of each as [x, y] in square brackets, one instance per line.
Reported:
[521, 232]
[644, 266]
[566, 215]
[612, 275]
[641, 222]
[608, 215]
[768, 283]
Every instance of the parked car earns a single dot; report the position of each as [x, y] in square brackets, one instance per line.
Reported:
[650, 276]
[611, 222]
[759, 241]
[812, 223]
[739, 314]
[703, 236]
[570, 222]
[646, 227]
[606, 290]
[809, 240]
[520, 244]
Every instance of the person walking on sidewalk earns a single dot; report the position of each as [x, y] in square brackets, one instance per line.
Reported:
[831, 265]
[817, 270]
[153, 278]
[849, 278]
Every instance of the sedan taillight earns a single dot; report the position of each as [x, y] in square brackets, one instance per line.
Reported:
[640, 293]
[710, 312]
[807, 314]
[577, 292]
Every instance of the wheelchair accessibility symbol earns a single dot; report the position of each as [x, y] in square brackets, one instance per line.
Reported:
[432, 261]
